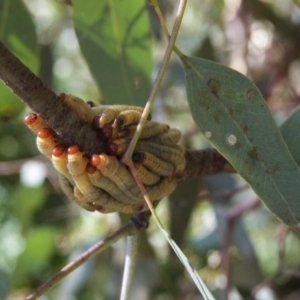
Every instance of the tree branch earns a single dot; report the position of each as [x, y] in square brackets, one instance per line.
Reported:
[206, 162]
[69, 128]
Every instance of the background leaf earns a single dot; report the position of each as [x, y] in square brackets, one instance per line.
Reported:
[17, 32]
[230, 111]
[115, 40]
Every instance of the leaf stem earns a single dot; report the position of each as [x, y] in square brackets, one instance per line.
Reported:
[127, 157]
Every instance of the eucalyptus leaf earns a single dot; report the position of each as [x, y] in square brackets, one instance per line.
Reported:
[232, 113]
[291, 134]
[115, 40]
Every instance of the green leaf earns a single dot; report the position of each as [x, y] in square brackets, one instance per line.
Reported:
[231, 112]
[115, 40]
[290, 133]
[17, 32]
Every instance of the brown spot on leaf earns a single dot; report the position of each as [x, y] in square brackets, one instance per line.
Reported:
[214, 85]
[253, 155]
[245, 127]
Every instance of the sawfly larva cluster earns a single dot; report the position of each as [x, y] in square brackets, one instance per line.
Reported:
[101, 182]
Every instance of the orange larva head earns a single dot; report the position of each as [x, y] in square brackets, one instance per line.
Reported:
[95, 160]
[58, 151]
[30, 119]
[44, 133]
[73, 149]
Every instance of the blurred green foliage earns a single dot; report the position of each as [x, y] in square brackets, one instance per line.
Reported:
[40, 230]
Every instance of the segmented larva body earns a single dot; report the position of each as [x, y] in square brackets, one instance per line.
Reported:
[110, 167]
[181, 163]
[100, 181]
[145, 176]
[46, 142]
[163, 188]
[68, 189]
[111, 112]
[127, 117]
[150, 129]
[60, 160]
[155, 164]
[170, 154]
[77, 165]
[169, 138]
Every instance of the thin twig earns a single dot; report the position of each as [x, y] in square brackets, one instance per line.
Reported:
[128, 229]
[129, 267]
[127, 157]
[231, 217]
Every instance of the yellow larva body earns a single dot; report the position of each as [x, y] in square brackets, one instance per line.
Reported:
[109, 186]
[163, 188]
[170, 154]
[110, 112]
[77, 168]
[127, 117]
[68, 189]
[181, 163]
[46, 145]
[60, 164]
[81, 108]
[113, 169]
[96, 206]
[150, 129]
[145, 176]
[157, 165]
[169, 138]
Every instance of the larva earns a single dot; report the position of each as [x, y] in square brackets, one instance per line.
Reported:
[110, 167]
[68, 189]
[169, 138]
[181, 163]
[45, 141]
[77, 168]
[146, 177]
[150, 129]
[154, 164]
[59, 160]
[127, 117]
[100, 181]
[83, 200]
[170, 154]
[110, 112]
[34, 122]
[81, 108]
[161, 189]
